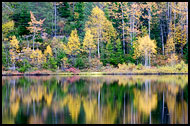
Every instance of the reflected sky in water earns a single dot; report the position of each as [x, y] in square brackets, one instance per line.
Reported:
[95, 99]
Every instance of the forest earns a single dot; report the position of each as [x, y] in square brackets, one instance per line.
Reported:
[136, 37]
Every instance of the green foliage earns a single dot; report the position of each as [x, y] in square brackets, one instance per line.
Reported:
[139, 67]
[102, 23]
[3, 56]
[25, 66]
[81, 62]
[180, 66]
[52, 63]
[21, 18]
[45, 65]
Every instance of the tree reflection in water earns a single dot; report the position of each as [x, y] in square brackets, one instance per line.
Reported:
[95, 99]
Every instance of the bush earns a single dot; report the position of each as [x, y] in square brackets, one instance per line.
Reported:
[180, 66]
[52, 63]
[25, 66]
[173, 59]
[96, 63]
[123, 66]
[45, 65]
[139, 67]
[81, 62]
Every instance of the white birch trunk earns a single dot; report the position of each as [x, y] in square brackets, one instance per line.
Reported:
[123, 30]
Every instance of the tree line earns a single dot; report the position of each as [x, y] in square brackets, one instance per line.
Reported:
[56, 35]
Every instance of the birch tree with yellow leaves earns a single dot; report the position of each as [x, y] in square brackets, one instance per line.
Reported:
[101, 28]
[14, 50]
[146, 47]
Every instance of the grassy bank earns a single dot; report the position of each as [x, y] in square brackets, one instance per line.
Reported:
[122, 69]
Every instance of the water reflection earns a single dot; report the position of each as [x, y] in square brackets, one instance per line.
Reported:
[95, 99]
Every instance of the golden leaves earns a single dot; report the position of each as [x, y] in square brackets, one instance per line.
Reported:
[7, 27]
[73, 45]
[143, 45]
[48, 51]
[88, 41]
[170, 45]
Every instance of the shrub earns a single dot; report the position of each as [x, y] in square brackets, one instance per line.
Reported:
[173, 59]
[45, 65]
[131, 66]
[122, 66]
[96, 63]
[180, 66]
[52, 63]
[81, 62]
[25, 66]
[139, 67]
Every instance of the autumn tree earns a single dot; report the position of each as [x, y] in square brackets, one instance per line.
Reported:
[35, 26]
[88, 43]
[100, 27]
[14, 46]
[7, 27]
[147, 47]
[73, 46]
[37, 58]
[170, 45]
[48, 51]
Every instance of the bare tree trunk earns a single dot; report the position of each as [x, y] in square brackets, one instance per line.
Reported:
[131, 30]
[33, 39]
[27, 42]
[98, 46]
[187, 22]
[174, 22]
[168, 16]
[123, 30]
[149, 21]
[146, 58]
[149, 60]
[55, 17]
[73, 8]
[89, 57]
[162, 38]
[133, 27]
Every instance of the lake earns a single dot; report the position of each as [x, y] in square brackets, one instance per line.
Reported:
[104, 99]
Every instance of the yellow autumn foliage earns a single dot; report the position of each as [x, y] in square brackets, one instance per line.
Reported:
[74, 104]
[170, 45]
[88, 43]
[7, 27]
[48, 51]
[73, 45]
[48, 98]
[90, 110]
[145, 102]
[145, 44]
[14, 107]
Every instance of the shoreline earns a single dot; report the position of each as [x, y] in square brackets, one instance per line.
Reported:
[92, 73]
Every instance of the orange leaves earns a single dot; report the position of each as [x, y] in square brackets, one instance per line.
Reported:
[35, 26]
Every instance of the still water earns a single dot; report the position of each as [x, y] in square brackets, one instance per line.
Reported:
[95, 99]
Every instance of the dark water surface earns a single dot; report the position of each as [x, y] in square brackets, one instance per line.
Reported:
[95, 99]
